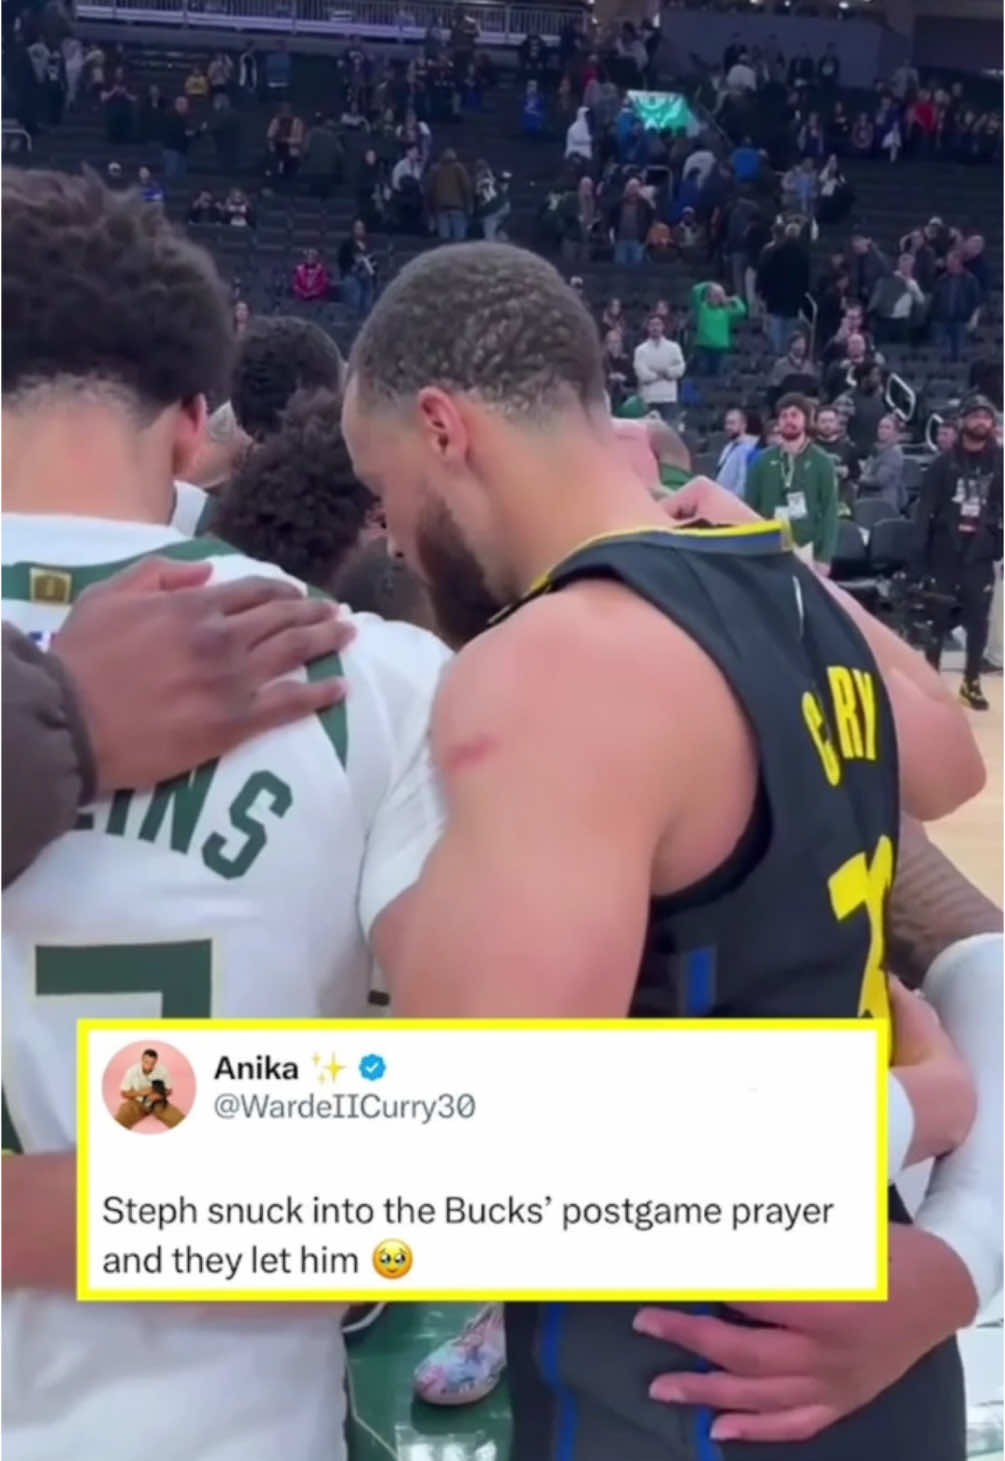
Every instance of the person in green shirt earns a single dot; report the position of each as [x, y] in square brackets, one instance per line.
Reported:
[714, 313]
[795, 481]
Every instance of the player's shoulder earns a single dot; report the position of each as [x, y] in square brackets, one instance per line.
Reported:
[550, 656]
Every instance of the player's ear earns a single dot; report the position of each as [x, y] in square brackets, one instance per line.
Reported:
[442, 425]
[189, 433]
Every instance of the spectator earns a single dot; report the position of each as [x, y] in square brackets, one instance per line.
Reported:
[863, 136]
[220, 74]
[242, 317]
[150, 189]
[248, 78]
[829, 70]
[73, 63]
[619, 373]
[795, 481]
[491, 200]
[352, 118]
[285, 141]
[831, 293]
[835, 196]
[450, 197]
[832, 439]
[613, 315]
[196, 84]
[577, 217]
[278, 70]
[840, 376]
[868, 265]
[839, 130]
[237, 211]
[925, 259]
[578, 140]
[745, 161]
[867, 407]
[323, 157]
[119, 106]
[714, 313]
[741, 77]
[795, 372]
[406, 191]
[179, 134]
[225, 129]
[887, 133]
[414, 132]
[975, 262]
[150, 117]
[659, 365]
[783, 282]
[630, 220]
[883, 469]
[311, 280]
[358, 271]
[897, 302]
[956, 298]
[731, 468]
[533, 111]
[743, 237]
[203, 209]
[799, 188]
[811, 140]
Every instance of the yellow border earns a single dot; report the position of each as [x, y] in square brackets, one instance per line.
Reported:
[287, 1296]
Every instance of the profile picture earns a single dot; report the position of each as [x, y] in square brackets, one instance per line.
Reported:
[149, 1087]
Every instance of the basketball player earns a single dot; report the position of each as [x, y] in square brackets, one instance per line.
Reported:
[244, 889]
[628, 877]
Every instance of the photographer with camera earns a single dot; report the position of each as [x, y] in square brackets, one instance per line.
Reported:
[959, 519]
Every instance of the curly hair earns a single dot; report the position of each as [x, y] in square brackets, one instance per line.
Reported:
[100, 287]
[277, 357]
[295, 500]
[486, 319]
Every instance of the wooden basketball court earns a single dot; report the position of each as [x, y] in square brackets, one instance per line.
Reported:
[972, 837]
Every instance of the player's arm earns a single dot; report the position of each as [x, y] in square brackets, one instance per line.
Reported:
[932, 906]
[941, 766]
[534, 902]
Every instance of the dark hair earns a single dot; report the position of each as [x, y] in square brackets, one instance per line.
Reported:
[295, 500]
[800, 402]
[485, 318]
[97, 285]
[276, 357]
[741, 410]
[371, 581]
[149, 1052]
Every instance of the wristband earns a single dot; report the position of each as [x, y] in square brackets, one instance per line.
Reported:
[963, 1205]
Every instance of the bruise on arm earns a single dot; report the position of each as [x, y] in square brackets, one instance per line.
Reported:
[932, 906]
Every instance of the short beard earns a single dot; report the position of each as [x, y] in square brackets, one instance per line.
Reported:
[461, 600]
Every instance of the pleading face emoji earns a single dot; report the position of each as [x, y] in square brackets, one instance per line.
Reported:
[392, 1258]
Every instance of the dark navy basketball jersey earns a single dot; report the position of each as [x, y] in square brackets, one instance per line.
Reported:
[792, 924]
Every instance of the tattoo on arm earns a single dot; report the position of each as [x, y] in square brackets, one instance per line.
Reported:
[932, 906]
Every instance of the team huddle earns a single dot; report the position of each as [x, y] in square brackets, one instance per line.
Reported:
[665, 775]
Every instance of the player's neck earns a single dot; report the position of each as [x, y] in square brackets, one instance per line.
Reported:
[570, 492]
[81, 463]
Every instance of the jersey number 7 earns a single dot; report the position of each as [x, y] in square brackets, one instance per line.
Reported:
[181, 973]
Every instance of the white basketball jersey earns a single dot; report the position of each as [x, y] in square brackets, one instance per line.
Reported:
[245, 888]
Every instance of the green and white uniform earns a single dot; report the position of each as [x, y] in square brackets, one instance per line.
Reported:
[246, 888]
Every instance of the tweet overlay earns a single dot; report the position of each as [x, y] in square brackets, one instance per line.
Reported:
[384, 1159]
